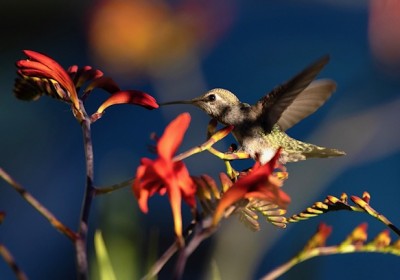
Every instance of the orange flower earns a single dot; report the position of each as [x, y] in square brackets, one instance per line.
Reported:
[126, 97]
[260, 183]
[164, 175]
[39, 74]
[319, 238]
[39, 66]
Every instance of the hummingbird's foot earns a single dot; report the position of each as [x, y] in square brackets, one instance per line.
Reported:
[232, 173]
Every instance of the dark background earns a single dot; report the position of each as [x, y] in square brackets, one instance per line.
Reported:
[177, 50]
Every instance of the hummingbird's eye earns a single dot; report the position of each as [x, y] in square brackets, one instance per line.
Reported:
[211, 97]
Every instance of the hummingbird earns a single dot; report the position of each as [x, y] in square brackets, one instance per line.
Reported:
[260, 129]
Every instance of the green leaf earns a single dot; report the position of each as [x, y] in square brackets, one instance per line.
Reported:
[106, 271]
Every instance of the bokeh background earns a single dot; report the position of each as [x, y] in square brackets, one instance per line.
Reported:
[177, 50]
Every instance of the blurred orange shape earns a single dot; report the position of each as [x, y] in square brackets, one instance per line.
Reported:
[141, 35]
[136, 34]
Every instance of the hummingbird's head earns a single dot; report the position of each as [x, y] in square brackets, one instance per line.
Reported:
[217, 103]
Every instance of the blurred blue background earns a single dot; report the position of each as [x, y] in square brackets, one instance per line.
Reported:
[177, 50]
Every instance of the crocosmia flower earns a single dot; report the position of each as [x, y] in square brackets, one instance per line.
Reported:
[164, 175]
[41, 75]
[261, 183]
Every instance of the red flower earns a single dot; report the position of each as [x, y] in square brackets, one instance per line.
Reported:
[41, 66]
[319, 238]
[126, 97]
[164, 175]
[42, 75]
[260, 183]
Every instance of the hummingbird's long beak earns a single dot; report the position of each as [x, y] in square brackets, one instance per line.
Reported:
[177, 102]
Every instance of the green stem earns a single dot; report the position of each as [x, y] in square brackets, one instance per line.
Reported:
[105, 190]
[326, 251]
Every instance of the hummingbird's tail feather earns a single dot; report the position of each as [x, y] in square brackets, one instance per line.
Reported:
[322, 152]
[298, 150]
[294, 150]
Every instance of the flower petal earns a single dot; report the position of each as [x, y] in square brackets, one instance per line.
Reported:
[84, 74]
[165, 175]
[58, 73]
[229, 198]
[143, 199]
[260, 183]
[147, 182]
[126, 97]
[186, 184]
[41, 66]
[105, 83]
[72, 70]
[129, 97]
[274, 195]
[175, 199]
[173, 136]
[34, 69]
[141, 193]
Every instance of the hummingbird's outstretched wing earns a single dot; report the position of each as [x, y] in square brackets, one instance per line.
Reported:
[272, 106]
[307, 102]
